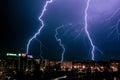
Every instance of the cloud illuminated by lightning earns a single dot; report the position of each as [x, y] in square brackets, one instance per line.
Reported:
[60, 42]
[41, 27]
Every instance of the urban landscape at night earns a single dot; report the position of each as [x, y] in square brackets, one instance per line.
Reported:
[60, 40]
[21, 67]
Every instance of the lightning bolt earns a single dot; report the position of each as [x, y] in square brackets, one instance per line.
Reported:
[40, 48]
[86, 28]
[115, 28]
[41, 27]
[88, 34]
[113, 14]
[60, 42]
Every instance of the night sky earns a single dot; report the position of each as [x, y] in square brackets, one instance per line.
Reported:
[19, 21]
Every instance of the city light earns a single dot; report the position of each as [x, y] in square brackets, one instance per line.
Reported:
[14, 54]
[11, 54]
